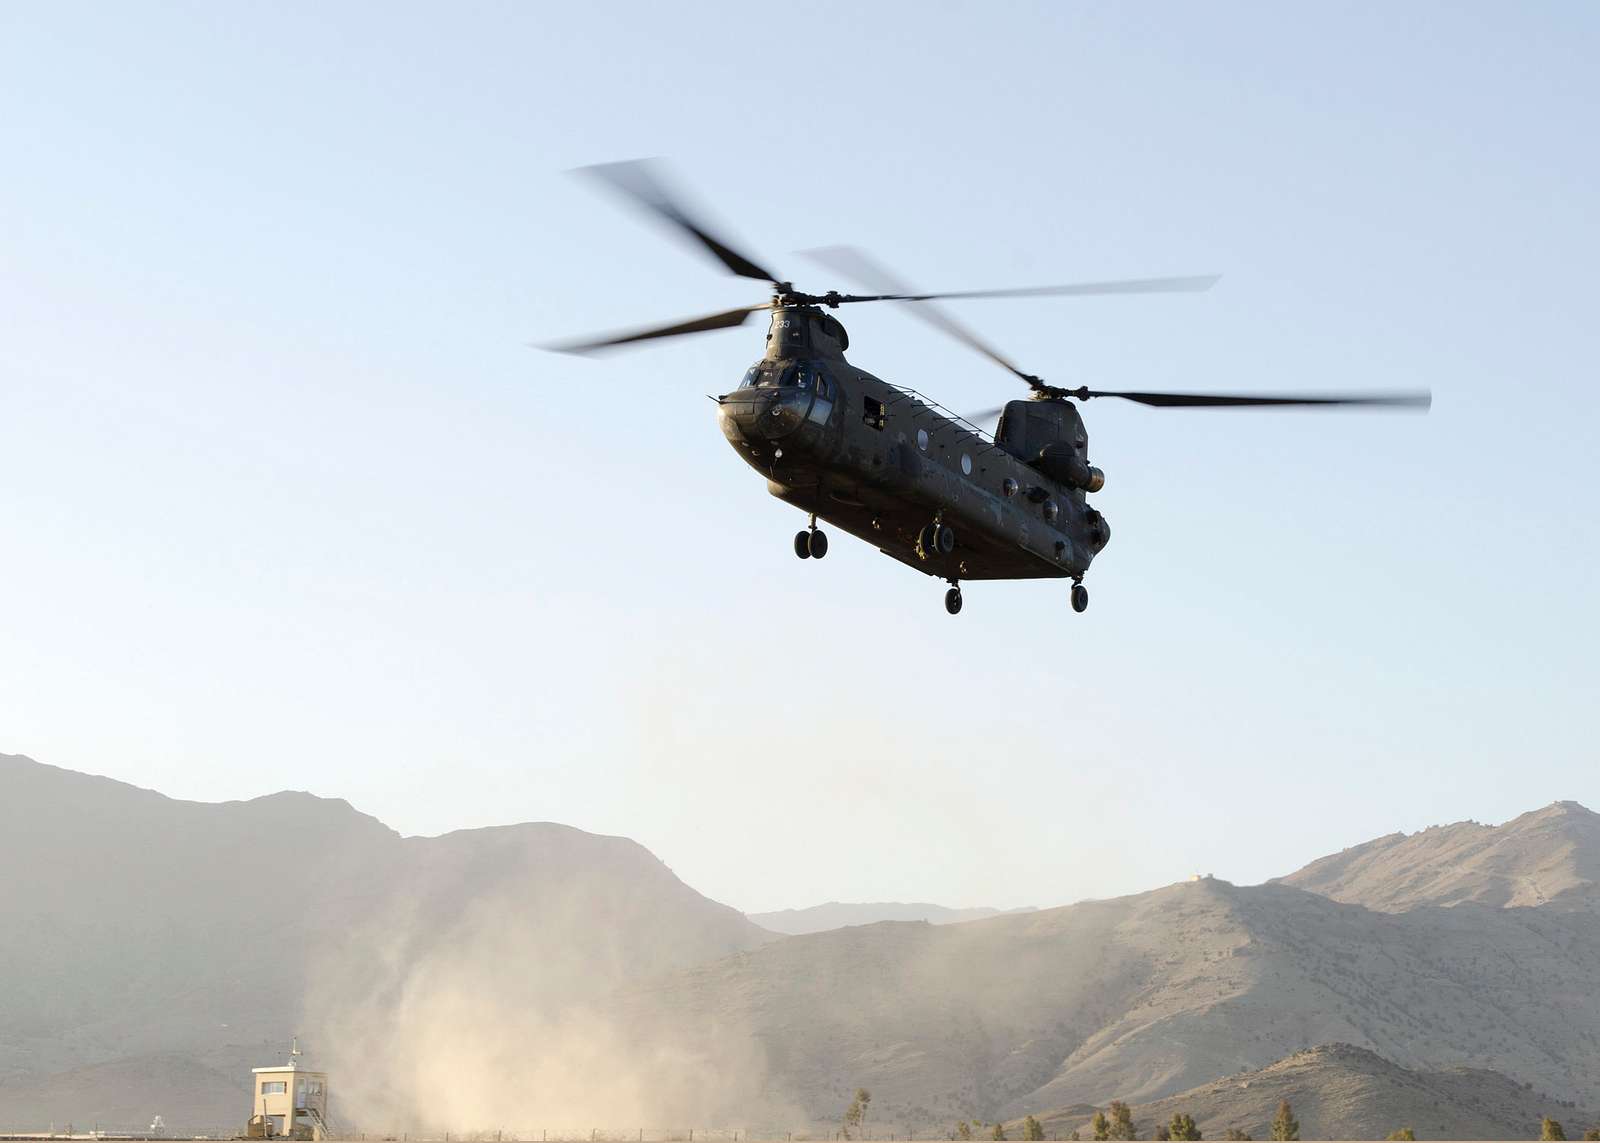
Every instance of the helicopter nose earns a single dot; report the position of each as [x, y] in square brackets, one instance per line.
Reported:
[757, 415]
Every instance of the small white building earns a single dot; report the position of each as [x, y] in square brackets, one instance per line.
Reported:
[290, 1101]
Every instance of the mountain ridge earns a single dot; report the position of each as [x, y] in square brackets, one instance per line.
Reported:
[1143, 996]
[157, 931]
[1546, 856]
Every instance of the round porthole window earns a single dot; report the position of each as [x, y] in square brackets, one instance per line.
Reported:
[966, 464]
[1051, 511]
[1008, 486]
[922, 439]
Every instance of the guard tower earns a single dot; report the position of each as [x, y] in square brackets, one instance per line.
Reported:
[291, 1102]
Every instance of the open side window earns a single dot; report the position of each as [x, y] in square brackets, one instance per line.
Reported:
[873, 412]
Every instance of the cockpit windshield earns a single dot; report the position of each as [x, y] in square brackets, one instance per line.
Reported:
[800, 390]
[802, 374]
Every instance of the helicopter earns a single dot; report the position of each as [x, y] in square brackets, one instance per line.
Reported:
[891, 466]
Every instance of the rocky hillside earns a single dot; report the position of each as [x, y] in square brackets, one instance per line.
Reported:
[155, 949]
[144, 935]
[1146, 996]
[1343, 1092]
[1550, 857]
[840, 914]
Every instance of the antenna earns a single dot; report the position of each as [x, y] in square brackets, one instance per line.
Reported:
[294, 1050]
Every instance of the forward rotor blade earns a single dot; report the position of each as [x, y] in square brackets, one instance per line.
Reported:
[725, 320]
[1413, 400]
[638, 180]
[848, 260]
[1080, 289]
[853, 263]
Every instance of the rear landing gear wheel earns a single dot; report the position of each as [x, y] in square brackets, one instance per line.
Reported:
[935, 540]
[817, 543]
[1080, 598]
[952, 601]
[802, 545]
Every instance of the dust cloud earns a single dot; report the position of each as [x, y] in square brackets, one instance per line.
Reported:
[523, 1005]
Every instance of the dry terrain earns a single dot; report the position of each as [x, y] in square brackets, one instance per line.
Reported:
[1342, 1092]
[1145, 996]
[155, 949]
[158, 945]
[1548, 858]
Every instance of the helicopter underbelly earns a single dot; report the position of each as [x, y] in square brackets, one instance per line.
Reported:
[976, 558]
[991, 543]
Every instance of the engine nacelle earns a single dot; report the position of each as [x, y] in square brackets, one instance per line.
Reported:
[1060, 461]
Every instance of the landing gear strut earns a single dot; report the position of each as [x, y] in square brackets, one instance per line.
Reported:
[952, 598]
[812, 543]
[1080, 597]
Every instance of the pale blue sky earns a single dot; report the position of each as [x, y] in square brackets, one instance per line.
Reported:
[286, 501]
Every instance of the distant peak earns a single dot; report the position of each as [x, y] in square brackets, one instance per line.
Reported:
[1555, 811]
[1547, 856]
[293, 796]
[848, 914]
[1205, 881]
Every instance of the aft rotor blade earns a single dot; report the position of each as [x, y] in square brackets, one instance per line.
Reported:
[853, 263]
[725, 320]
[1196, 285]
[1409, 400]
[984, 416]
[638, 180]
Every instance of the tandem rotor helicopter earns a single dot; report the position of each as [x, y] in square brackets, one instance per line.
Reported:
[893, 467]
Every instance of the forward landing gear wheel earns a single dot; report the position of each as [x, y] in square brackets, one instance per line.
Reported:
[1080, 598]
[802, 545]
[952, 601]
[817, 544]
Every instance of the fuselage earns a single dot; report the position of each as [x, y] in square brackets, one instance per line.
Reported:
[882, 462]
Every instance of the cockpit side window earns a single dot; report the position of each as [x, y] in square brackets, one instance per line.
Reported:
[822, 403]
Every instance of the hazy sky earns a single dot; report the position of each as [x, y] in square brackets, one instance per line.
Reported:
[287, 501]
